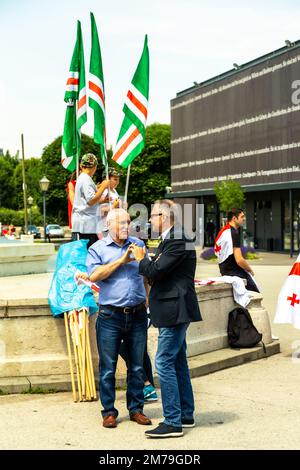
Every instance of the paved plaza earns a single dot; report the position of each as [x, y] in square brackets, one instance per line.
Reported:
[253, 406]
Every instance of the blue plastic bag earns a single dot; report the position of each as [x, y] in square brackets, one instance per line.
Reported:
[64, 293]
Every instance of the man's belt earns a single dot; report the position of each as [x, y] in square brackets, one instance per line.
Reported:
[126, 310]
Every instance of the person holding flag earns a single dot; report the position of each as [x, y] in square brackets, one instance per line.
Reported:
[76, 115]
[85, 213]
[228, 250]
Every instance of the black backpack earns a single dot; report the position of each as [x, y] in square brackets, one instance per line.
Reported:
[241, 331]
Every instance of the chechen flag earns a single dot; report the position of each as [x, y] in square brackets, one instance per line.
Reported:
[288, 305]
[96, 92]
[131, 140]
[75, 98]
[223, 244]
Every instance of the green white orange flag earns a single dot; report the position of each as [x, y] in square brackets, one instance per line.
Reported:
[96, 91]
[131, 140]
[76, 114]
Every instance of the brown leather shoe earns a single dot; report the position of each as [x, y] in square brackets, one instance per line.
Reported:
[140, 418]
[110, 421]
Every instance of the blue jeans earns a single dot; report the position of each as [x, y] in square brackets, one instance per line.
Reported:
[112, 328]
[172, 368]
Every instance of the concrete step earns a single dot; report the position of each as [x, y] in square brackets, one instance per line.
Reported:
[203, 364]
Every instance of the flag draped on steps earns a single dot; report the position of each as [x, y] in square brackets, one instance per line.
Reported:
[75, 97]
[288, 304]
[131, 140]
[96, 92]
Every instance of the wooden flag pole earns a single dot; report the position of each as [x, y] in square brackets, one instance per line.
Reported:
[24, 186]
[70, 356]
[91, 368]
[89, 383]
[77, 139]
[79, 351]
[108, 188]
[127, 184]
[83, 319]
[75, 354]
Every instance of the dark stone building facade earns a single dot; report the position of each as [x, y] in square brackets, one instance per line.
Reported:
[244, 125]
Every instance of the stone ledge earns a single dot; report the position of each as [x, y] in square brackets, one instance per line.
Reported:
[40, 306]
[14, 385]
[214, 361]
[203, 364]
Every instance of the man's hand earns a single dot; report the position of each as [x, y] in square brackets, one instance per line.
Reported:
[84, 276]
[105, 183]
[139, 252]
[116, 203]
[104, 199]
[126, 258]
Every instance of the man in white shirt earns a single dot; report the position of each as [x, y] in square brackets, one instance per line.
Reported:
[85, 213]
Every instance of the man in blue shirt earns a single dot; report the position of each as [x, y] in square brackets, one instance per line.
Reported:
[122, 316]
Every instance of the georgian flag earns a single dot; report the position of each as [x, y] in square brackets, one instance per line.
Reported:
[223, 244]
[288, 304]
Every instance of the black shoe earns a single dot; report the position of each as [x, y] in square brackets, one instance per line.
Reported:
[164, 430]
[187, 423]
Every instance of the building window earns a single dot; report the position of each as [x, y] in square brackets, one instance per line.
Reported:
[287, 237]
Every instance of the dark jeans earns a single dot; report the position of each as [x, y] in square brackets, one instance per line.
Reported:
[240, 272]
[172, 368]
[147, 366]
[92, 237]
[111, 329]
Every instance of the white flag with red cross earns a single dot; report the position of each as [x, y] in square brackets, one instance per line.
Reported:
[223, 244]
[288, 305]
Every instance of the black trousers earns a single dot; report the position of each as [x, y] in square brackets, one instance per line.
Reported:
[92, 237]
[239, 272]
[148, 375]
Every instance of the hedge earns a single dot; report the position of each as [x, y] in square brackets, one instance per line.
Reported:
[10, 216]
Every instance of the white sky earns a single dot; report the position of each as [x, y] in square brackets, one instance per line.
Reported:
[189, 40]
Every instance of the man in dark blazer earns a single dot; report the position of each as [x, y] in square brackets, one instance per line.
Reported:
[173, 305]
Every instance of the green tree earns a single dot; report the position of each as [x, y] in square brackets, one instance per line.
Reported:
[7, 165]
[229, 194]
[33, 173]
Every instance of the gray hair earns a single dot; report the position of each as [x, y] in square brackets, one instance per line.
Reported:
[115, 214]
[169, 208]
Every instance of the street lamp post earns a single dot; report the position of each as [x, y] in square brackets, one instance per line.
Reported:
[44, 185]
[30, 202]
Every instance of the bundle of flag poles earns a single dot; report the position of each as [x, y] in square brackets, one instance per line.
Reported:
[77, 335]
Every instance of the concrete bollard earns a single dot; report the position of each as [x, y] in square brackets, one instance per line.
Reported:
[260, 317]
[27, 238]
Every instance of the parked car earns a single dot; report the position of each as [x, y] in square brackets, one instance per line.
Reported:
[32, 230]
[54, 231]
